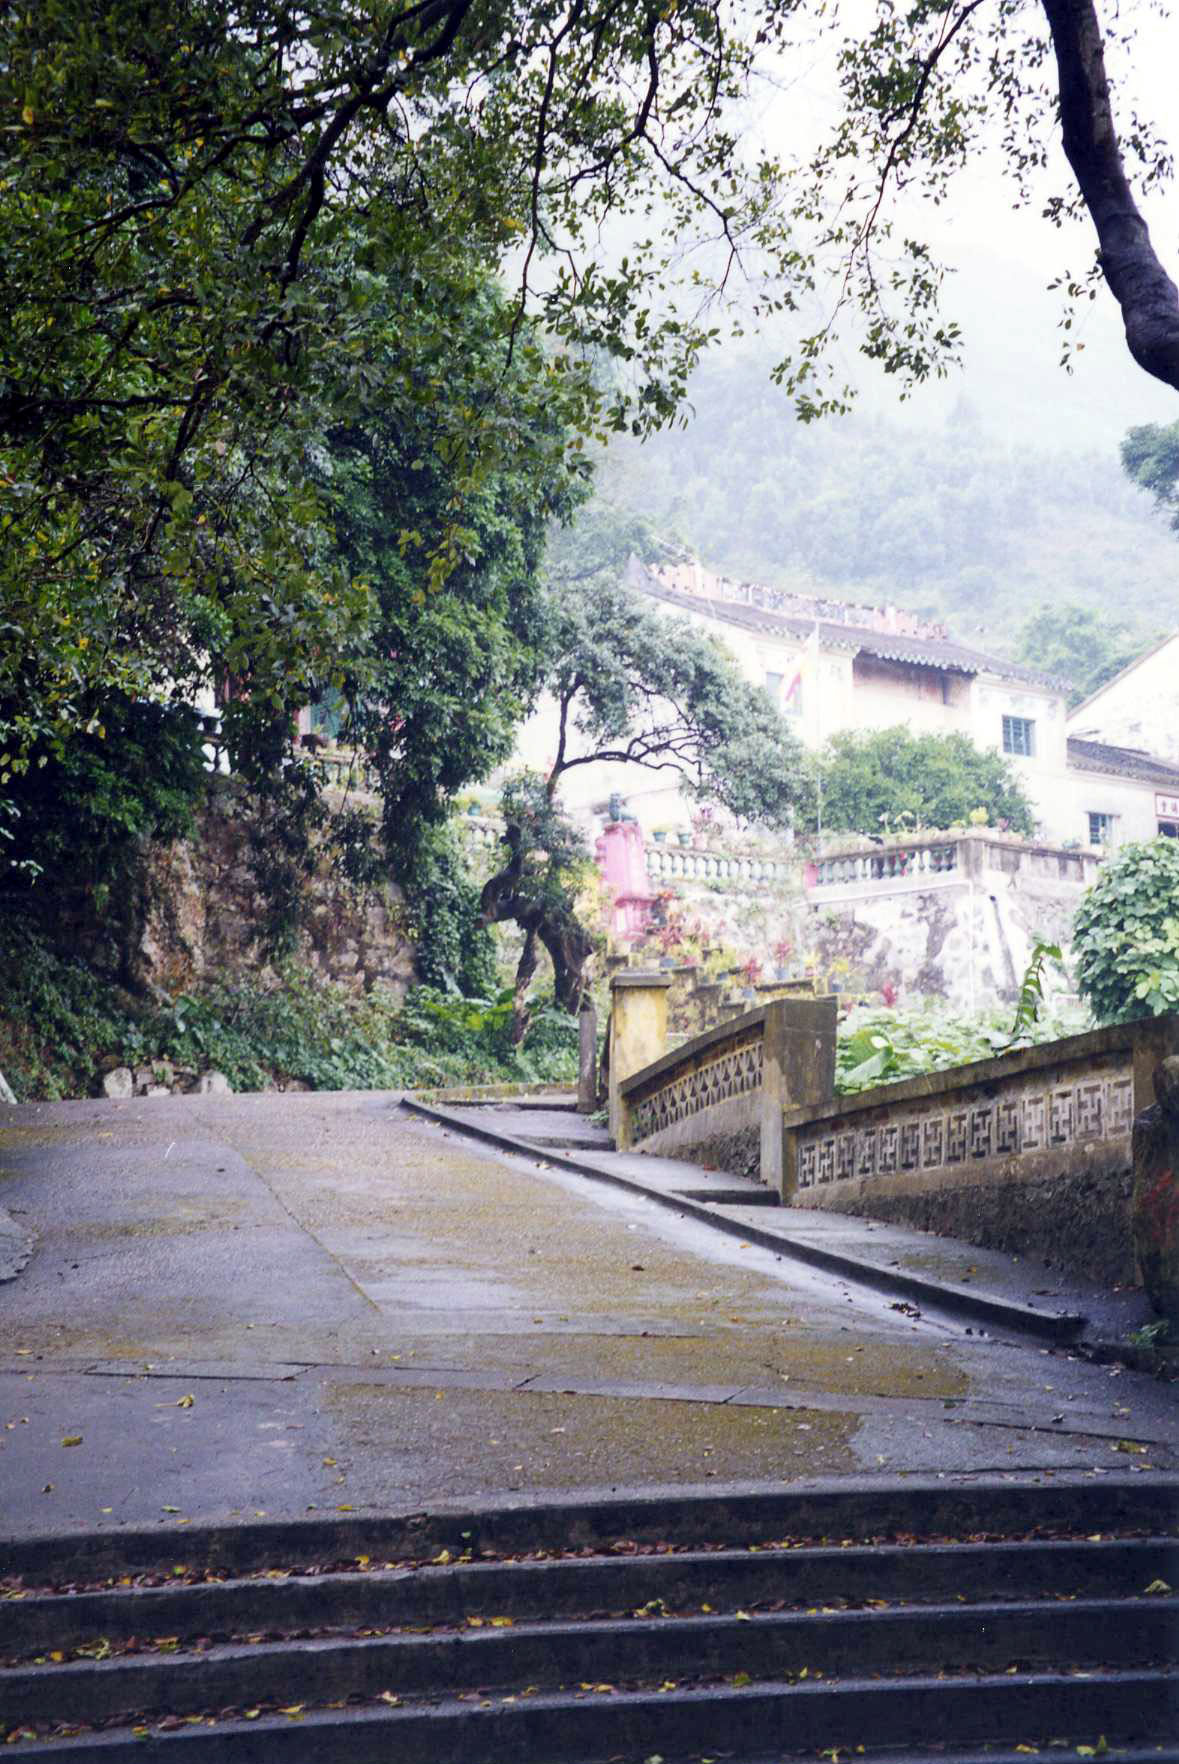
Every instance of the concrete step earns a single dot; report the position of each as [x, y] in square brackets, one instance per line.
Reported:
[796, 1619]
[874, 1509]
[993, 1637]
[727, 1580]
[938, 1716]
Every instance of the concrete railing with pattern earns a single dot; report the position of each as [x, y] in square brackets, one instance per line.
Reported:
[711, 1084]
[1028, 1152]
[725, 1091]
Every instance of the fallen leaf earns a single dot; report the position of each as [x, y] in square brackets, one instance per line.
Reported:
[186, 1402]
[388, 1697]
[1158, 1587]
[72, 1439]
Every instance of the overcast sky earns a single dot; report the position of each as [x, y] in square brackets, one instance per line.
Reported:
[1004, 261]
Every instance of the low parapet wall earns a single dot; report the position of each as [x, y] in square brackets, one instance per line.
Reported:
[720, 1097]
[1029, 1152]
[707, 1091]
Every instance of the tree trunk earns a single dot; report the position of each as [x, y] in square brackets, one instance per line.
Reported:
[1141, 286]
[570, 947]
[525, 969]
[567, 941]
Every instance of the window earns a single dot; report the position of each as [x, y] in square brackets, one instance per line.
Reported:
[1169, 829]
[1101, 829]
[774, 687]
[1019, 736]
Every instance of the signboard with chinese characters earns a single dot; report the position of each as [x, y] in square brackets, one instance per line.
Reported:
[1166, 805]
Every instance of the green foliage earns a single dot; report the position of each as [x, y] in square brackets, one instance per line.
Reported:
[135, 771]
[878, 1046]
[453, 951]
[1150, 457]
[1080, 644]
[890, 779]
[637, 688]
[477, 1032]
[449, 536]
[62, 1026]
[1030, 1002]
[1126, 934]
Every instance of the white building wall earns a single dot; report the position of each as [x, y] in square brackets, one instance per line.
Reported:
[842, 691]
[1139, 707]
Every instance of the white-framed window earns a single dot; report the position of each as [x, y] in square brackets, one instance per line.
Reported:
[1103, 829]
[1019, 736]
[773, 684]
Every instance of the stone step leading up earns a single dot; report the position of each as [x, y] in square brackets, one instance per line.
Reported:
[909, 1616]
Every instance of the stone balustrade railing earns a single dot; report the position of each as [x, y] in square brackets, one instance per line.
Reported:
[342, 768]
[670, 863]
[926, 858]
[732, 1082]
[951, 856]
[480, 830]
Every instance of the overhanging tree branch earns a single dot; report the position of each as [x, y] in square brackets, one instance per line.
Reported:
[1141, 286]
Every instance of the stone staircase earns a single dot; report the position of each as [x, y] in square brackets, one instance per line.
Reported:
[910, 1619]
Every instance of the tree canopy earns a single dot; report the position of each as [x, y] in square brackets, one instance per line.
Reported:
[1079, 645]
[892, 780]
[1150, 457]
[201, 202]
[230, 229]
[631, 687]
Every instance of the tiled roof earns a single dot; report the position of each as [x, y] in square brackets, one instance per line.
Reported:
[1126, 762]
[926, 652]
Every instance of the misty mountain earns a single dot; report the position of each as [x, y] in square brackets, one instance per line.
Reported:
[953, 520]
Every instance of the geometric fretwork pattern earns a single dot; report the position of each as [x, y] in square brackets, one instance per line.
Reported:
[734, 1073]
[1098, 1106]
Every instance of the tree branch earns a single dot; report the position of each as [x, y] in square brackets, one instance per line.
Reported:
[1141, 286]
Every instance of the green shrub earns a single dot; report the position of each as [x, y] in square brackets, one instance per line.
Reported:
[62, 1026]
[1126, 934]
[883, 1046]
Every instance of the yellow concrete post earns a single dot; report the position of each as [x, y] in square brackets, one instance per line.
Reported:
[798, 1066]
[638, 1035]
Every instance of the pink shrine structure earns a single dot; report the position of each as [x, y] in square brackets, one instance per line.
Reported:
[623, 865]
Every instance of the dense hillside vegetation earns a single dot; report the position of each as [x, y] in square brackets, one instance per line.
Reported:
[952, 520]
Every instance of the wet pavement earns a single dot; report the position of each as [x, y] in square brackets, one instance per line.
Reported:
[317, 1304]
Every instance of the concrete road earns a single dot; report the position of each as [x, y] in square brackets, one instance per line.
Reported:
[311, 1303]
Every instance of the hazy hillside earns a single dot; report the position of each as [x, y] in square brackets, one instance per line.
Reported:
[952, 519]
